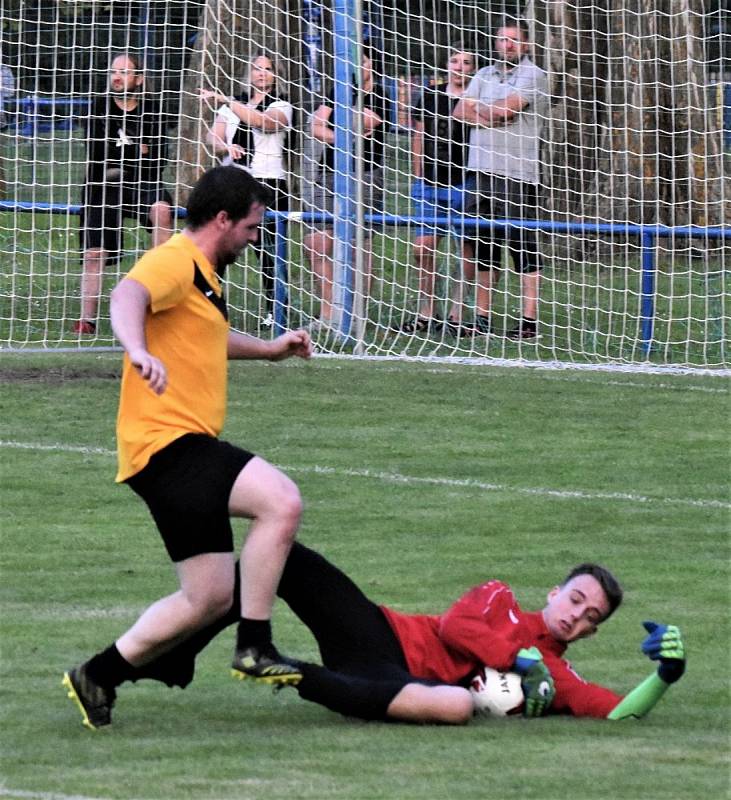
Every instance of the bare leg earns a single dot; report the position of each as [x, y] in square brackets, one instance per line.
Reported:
[469, 267]
[272, 501]
[319, 248]
[425, 248]
[205, 594]
[91, 282]
[419, 703]
[529, 282]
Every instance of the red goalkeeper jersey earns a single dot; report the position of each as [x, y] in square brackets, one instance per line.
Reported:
[487, 627]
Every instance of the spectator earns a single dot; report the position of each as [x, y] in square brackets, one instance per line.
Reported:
[7, 92]
[319, 242]
[170, 315]
[439, 148]
[125, 158]
[506, 103]
[251, 132]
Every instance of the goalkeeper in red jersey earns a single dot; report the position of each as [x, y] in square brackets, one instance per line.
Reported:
[378, 663]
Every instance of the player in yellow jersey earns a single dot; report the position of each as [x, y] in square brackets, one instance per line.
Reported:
[170, 315]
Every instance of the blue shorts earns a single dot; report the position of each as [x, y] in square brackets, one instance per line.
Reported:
[431, 202]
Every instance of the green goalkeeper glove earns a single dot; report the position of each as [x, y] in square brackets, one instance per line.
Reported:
[665, 645]
[537, 682]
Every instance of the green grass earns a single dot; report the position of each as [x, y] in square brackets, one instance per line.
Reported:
[420, 482]
[590, 297]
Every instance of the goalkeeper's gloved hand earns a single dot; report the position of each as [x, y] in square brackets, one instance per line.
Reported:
[665, 645]
[537, 682]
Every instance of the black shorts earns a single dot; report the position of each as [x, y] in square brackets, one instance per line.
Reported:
[498, 197]
[105, 208]
[187, 487]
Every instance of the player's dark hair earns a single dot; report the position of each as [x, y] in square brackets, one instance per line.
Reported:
[610, 585]
[230, 189]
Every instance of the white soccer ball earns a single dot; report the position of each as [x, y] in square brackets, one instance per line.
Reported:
[496, 694]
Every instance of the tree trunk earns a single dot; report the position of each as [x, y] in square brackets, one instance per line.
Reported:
[632, 135]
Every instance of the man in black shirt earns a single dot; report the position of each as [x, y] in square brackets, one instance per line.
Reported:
[319, 240]
[125, 159]
[439, 149]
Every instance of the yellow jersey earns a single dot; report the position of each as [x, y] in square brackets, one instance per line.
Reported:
[186, 328]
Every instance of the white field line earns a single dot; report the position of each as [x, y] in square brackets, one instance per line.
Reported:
[549, 375]
[412, 480]
[18, 794]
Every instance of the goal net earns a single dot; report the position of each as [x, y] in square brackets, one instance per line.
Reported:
[540, 182]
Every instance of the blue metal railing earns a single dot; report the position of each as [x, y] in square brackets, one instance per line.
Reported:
[647, 235]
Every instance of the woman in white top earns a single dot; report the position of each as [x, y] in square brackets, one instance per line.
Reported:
[250, 131]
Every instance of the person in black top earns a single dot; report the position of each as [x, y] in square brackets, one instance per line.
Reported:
[125, 158]
[440, 147]
[318, 242]
[251, 132]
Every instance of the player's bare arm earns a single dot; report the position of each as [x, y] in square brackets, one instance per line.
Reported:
[291, 343]
[129, 303]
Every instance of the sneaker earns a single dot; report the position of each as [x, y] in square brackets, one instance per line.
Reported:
[84, 326]
[265, 665]
[525, 329]
[458, 329]
[482, 325]
[94, 701]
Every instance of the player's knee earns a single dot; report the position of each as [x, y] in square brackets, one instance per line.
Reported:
[289, 508]
[460, 710]
[213, 605]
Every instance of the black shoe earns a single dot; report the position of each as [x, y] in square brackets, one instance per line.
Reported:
[94, 701]
[482, 325]
[176, 668]
[458, 330]
[266, 665]
[525, 329]
[420, 325]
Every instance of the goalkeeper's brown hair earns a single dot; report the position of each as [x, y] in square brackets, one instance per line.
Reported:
[606, 580]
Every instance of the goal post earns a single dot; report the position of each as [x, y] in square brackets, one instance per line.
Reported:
[622, 256]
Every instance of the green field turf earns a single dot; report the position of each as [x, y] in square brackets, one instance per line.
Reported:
[419, 481]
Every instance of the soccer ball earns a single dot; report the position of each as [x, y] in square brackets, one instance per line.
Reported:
[496, 694]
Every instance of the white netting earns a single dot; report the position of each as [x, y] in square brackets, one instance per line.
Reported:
[629, 225]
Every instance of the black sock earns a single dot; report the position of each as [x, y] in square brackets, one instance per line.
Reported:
[109, 668]
[253, 633]
[347, 694]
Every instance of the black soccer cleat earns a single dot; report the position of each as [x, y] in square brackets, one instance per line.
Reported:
[94, 701]
[265, 665]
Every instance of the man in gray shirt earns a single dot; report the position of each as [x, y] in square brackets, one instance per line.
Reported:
[506, 103]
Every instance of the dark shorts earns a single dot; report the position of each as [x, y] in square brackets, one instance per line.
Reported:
[187, 486]
[105, 208]
[430, 202]
[498, 197]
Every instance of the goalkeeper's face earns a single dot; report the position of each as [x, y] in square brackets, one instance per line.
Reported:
[575, 609]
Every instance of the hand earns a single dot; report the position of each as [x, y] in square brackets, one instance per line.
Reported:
[537, 682]
[151, 369]
[212, 94]
[235, 151]
[665, 645]
[292, 343]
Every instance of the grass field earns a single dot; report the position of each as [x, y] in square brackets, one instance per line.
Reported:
[420, 482]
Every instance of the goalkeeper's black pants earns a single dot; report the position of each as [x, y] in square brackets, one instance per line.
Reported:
[363, 663]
